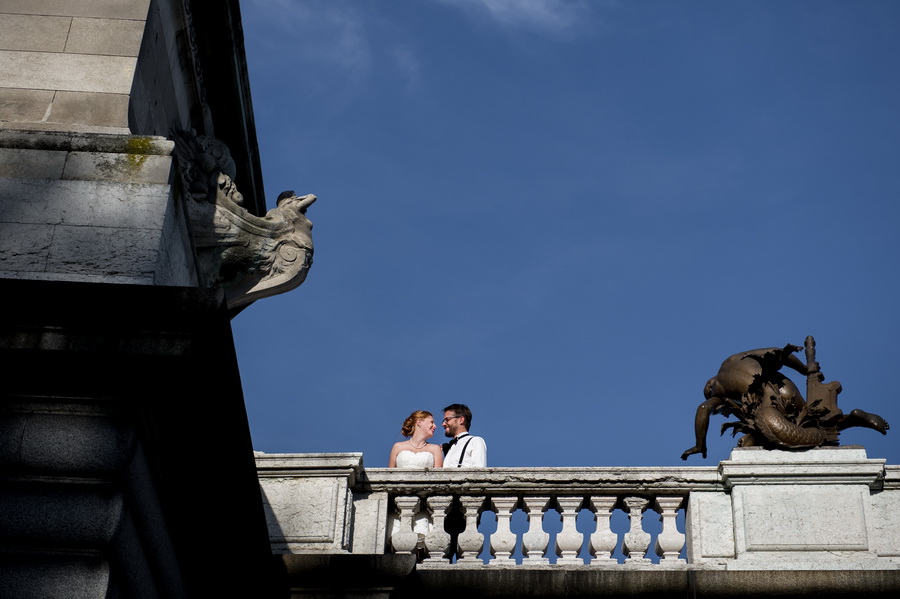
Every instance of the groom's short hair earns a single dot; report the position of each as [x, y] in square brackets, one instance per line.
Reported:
[461, 409]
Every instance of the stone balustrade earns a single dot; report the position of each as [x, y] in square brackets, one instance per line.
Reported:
[830, 509]
[423, 501]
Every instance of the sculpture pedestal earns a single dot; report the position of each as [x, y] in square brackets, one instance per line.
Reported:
[817, 509]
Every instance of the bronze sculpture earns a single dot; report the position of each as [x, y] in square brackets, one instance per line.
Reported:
[771, 411]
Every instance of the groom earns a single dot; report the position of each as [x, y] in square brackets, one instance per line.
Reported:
[463, 450]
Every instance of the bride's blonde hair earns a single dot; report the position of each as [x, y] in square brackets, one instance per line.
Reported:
[409, 425]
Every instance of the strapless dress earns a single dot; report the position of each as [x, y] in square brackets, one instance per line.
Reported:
[421, 521]
[413, 459]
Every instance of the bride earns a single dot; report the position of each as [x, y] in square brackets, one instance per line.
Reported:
[416, 451]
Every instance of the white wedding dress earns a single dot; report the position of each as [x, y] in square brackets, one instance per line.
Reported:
[412, 459]
[421, 521]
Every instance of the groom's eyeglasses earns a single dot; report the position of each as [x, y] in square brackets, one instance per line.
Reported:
[445, 420]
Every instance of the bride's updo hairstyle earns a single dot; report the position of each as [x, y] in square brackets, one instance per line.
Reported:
[409, 425]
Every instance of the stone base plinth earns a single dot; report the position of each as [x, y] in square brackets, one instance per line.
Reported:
[817, 509]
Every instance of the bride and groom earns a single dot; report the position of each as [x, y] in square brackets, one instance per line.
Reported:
[463, 449]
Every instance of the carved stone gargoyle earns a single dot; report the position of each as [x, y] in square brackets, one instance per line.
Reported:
[248, 256]
[770, 410]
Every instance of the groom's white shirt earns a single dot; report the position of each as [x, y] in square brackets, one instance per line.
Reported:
[475, 452]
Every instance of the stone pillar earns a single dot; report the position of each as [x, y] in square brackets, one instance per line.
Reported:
[308, 500]
[603, 541]
[669, 542]
[503, 541]
[535, 540]
[569, 540]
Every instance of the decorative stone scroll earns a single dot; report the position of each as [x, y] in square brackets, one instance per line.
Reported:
[248, 256]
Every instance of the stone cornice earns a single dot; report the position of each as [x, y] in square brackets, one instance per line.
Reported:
[69, 141]
[500, 481]
[834, 465]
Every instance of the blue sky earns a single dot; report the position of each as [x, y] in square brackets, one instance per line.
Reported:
[567, 214]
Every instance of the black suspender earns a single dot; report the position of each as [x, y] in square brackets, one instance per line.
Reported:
[462, 453]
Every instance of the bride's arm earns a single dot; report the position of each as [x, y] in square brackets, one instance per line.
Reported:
[438, 454]
[392, 461]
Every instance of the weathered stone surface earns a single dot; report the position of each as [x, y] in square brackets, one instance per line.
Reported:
[161, 95]
[176, 260]
[500, 480]
[304, 514]
[308, 501]
[71, 72]
[30, 164]
[839, 465]
[370, 517]
[86, 108]
[34, 33]
[709, 528]
[112, 37]
[76, 141]
[795, 518]
[809, 510]
[82, 441]
[108, 9]
[23, 105]
[123, 255]
[125, 168]
[24, 247]
[96, 207]
[84, 203]
[885, 538]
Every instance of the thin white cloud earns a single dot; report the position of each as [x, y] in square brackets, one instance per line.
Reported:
[330, 32]
[407, 62]
[557, 17]
[343, 35]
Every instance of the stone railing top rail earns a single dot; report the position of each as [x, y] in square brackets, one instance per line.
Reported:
[536, 481]
[836, 463]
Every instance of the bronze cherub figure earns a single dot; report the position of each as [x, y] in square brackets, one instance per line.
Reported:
[771, 411]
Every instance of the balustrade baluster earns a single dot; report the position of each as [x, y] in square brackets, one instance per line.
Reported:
[569, 540]
[603, 542]
[535, 541]
[470, 541]
[404, 540]
[636, 541]
[437, 541]
[670, 541]
[503, 541]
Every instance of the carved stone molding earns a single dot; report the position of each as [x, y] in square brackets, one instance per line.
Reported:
[248, 256]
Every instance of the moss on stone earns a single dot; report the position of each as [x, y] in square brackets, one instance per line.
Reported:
[138, 150]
